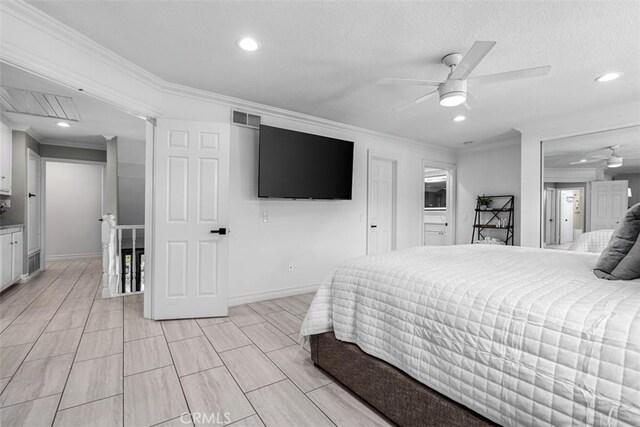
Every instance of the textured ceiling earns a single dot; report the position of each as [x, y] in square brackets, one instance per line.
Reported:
[323, 58]
[96, 117]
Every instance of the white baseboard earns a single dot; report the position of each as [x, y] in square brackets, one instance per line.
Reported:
[276, 293]
[72, 256]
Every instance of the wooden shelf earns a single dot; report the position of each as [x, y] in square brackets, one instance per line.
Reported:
[502, 212]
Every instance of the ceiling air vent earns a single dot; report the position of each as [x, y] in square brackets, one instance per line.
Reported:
[39, 104]
[245, 119]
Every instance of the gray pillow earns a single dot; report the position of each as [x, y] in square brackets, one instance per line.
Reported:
[620, 260]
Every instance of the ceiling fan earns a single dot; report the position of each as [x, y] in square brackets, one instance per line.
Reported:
[613, 160]
[453, 91]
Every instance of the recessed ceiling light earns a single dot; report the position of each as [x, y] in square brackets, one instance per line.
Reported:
[63, 124]
[248, 44]
[608, 77]
[459, 118]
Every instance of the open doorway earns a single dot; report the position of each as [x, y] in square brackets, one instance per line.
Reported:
[438, 204]
[564, 215]
[62, 141]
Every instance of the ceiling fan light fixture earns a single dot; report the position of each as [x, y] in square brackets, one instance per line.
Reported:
[614, 162]
[453, 92]
[453, 99]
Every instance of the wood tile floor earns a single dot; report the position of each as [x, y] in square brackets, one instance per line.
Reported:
[70, 358]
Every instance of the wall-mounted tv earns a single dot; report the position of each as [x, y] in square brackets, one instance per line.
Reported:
[296, 165]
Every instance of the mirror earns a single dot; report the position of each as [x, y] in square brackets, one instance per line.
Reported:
[589, 181]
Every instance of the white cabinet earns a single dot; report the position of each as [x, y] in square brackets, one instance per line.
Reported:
[10, 256]
[5, 159]
[435, 234]
[6, 260]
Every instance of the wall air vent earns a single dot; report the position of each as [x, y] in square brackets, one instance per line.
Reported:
[38, 104]
[245, 119]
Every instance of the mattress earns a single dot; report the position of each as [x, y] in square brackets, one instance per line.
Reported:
[522, 336]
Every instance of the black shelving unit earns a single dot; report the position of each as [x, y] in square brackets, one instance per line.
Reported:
[487, 219]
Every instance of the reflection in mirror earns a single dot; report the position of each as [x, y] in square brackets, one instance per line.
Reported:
[589, 183]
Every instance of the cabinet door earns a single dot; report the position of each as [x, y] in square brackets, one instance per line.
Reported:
[5, 159]
[5, 259]
[16, 256]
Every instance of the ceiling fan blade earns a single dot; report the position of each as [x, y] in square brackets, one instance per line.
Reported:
[595, 159]
[509, 75]
[471, 60]
[407, 82]
[416, 101]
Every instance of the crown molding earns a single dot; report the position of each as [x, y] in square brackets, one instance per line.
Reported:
[70, 144]
[34, 17]
[486, 147]
[262, 109]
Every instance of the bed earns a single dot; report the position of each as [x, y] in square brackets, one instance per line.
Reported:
[506, 335]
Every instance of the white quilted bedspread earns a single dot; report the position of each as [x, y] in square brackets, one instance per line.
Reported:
[522, 336]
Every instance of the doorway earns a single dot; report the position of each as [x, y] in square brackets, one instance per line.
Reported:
[34, 208]
[73, 203]
[438, 204]
[564, 213]
[381, 204]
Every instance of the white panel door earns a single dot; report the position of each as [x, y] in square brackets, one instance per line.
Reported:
[33, 202]
[609, 202]
[191, 213]
[381, 205]
[566, 216]
[550, 217]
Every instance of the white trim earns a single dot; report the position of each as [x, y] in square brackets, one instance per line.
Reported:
[149, 242]
[73, 256]
[266, 110]
[77, 144]
[278, 293]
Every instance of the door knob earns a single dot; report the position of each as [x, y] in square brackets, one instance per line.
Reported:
[221, 231]
[32, 195]
[374, 226]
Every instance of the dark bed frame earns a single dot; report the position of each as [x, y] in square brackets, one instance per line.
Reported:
[395, 394]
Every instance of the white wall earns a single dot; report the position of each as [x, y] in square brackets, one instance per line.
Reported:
[131, 181]
[490, 171]
[73, 207]
[313, 235]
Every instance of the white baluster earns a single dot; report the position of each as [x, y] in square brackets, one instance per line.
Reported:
[119, 259]
[133, 260]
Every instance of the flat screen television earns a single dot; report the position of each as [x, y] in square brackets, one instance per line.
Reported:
[297, 165]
